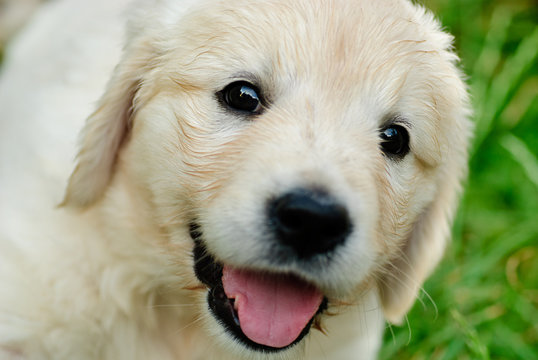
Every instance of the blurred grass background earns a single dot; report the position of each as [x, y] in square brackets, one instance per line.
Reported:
[482, 302]
[484, 296]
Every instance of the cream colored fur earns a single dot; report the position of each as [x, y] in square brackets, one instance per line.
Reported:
[109, 273]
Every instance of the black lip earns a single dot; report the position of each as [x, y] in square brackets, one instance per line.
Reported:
[209, 272]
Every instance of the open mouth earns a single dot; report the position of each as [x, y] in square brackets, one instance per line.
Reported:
[265, 312]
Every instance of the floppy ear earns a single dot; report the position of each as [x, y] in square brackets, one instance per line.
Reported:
[404, 276]
[106, 129]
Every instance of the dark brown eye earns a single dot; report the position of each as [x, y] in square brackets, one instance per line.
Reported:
[242, 96]
[395, 140]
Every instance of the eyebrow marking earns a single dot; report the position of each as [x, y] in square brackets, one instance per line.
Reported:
[246, 76]
[396, 119]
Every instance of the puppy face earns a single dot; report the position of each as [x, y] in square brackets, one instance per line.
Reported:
[303, 152]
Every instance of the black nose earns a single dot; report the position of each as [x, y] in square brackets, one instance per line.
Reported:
[310, 222]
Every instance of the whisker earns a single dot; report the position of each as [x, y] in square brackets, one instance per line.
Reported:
[170, 306]
[197, 320]
[389, 325]
[408, 329]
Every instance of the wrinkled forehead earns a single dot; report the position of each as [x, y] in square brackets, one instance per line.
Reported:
[305, 39]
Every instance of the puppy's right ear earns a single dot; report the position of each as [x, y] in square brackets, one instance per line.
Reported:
[107, 128]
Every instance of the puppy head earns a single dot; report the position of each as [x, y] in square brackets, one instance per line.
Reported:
[309, 146]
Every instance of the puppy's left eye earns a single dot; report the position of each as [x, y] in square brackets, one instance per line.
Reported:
[242, 96]
[395, 140]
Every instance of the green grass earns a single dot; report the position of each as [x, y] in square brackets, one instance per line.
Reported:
[486, 289]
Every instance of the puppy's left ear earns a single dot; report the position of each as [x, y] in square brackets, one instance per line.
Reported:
[107, 128]
[404, 276]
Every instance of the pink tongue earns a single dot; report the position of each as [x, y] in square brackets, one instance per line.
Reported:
[273, 310]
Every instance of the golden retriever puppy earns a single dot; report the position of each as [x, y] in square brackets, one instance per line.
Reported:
[260, 180]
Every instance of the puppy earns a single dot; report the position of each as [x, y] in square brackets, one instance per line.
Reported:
[260, 180]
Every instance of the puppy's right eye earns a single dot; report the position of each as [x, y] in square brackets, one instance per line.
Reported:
[395, 140]
[242, 96]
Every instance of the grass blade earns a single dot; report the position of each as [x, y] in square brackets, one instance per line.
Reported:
[503, 85]
[522, 155]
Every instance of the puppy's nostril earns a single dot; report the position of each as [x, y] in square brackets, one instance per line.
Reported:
[309, 222]
[303, 216]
